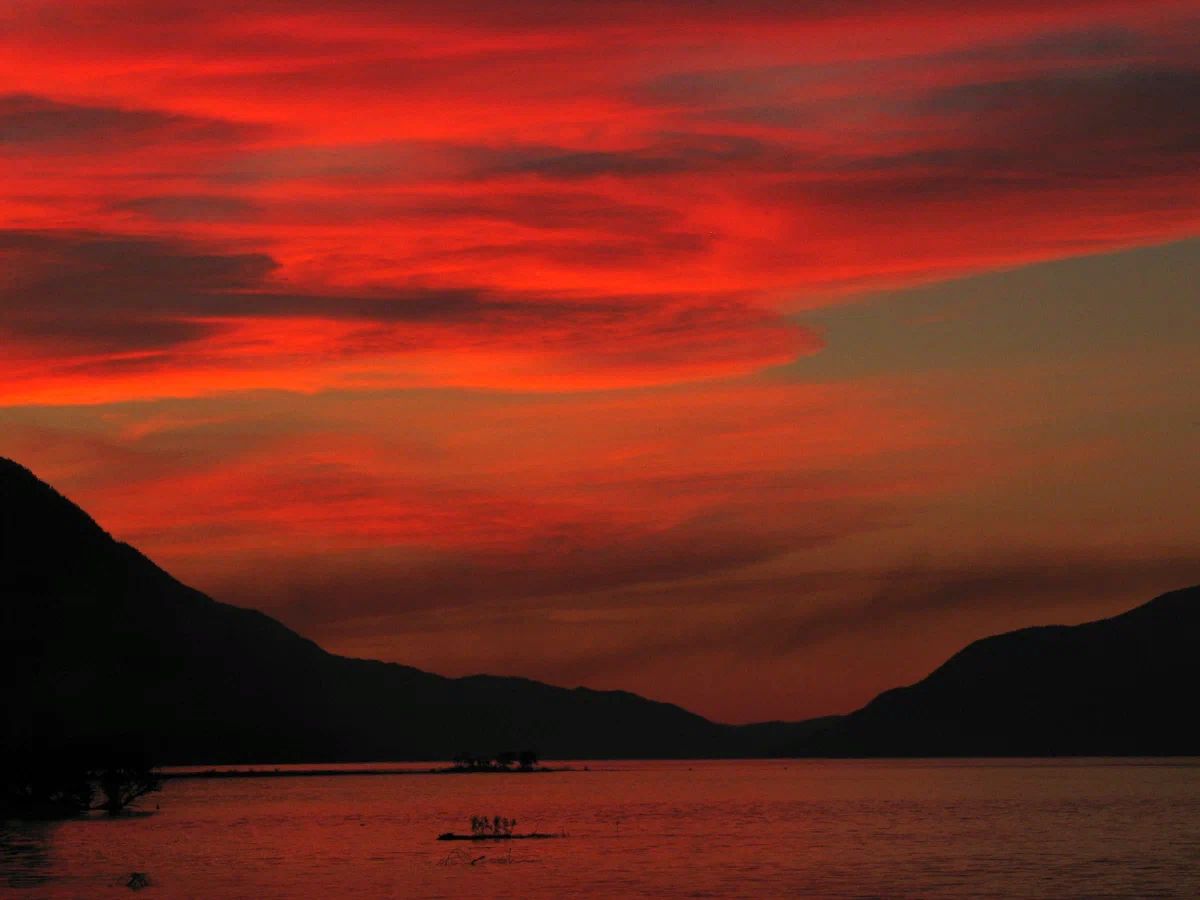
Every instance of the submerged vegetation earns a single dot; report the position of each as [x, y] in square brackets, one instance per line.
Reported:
[495, 828]
[462, 856]
[136, 881]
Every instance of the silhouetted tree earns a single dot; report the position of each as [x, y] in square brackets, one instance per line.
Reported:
[124, 784]
[44, 786]
[506, 760]
[529, 760]
[64, 783]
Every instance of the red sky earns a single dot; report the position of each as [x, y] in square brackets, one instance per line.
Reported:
[748, 355]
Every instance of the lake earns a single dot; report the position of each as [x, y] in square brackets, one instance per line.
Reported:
[1012, 829]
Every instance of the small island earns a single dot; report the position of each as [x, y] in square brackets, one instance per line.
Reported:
[525, 761]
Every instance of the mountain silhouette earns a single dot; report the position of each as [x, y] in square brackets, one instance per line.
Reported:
[1122, 686]
[101, 647]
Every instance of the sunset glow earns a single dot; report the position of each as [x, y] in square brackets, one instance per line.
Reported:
[683, 348]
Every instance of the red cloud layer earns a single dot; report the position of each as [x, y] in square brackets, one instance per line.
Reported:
[633, 192]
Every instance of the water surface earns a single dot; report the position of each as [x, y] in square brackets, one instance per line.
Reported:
[1013, 829]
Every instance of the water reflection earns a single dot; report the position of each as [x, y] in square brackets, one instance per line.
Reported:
[757, 830]
[25, 853]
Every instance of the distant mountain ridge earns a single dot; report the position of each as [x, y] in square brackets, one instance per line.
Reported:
[109, 649]
[100, 646]
[1122, 686]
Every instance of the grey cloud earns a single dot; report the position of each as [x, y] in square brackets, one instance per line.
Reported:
[547, 211]
[671, 155]
[1090, 587]
[114, 292]
[557, 14]
[572, 560]
[1116, 120]
[714, 91]
[96, 334]
[28, 121]
[1032, 583]
[83, 264]
[376, 162]
[671, 613]
[1102, 130]
[417, 161]
[84, 292]
[556, 210]
[118, 365]
[796, 94]
[1098, 43]
[191, 208]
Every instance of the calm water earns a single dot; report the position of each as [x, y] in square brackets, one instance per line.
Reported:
[1012, 829]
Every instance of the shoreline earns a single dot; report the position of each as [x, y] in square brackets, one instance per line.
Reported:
[313, 773]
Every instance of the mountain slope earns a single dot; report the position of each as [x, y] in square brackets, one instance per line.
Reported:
[100, 646]
[1119, 686]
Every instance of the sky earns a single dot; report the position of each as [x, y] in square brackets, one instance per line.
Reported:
[749, 355]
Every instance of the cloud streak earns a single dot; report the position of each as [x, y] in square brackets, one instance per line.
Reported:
[32, 123]
[154, 304]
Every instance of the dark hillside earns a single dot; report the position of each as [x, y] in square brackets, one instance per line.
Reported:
[1119, 686]
[100, 646]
